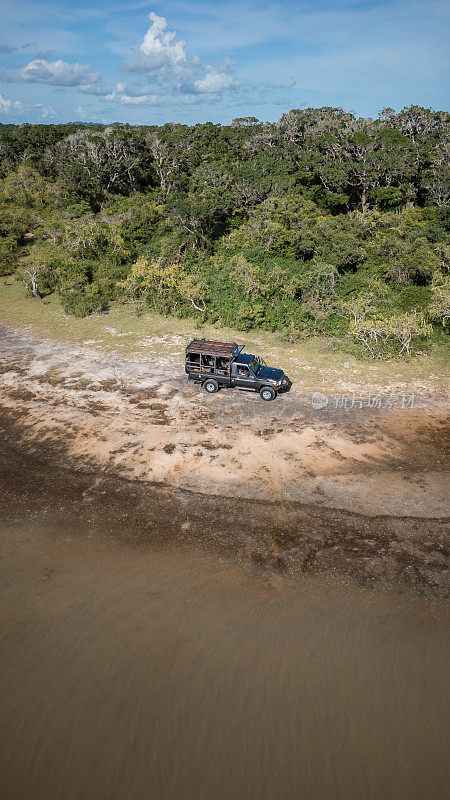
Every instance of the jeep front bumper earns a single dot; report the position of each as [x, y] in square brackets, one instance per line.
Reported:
[285, 385]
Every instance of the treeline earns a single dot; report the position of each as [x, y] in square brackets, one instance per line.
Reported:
[321, 223]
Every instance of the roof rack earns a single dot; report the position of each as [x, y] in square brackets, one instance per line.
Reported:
[212, 348]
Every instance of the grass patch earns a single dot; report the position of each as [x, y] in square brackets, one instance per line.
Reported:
[9, 368]
[314, 364]
[109, 384]
[53, 376]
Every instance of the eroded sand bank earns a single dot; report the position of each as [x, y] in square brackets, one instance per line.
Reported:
[323, 489]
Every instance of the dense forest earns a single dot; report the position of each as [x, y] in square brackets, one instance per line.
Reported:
[321, 223]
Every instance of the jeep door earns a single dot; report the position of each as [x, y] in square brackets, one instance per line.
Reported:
[242, 376]
[222, 370]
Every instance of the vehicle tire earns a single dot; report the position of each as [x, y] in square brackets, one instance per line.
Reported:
[267, 393]
[211, 386]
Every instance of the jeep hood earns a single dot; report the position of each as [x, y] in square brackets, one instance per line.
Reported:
[270, 373]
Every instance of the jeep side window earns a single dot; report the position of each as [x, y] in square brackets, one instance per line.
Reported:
[193, 360]
[207, 363]
[223, 365]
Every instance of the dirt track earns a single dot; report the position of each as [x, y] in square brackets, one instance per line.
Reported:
[359, 491]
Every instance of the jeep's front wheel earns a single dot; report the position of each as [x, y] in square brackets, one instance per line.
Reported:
[211, 386]
[267, 393]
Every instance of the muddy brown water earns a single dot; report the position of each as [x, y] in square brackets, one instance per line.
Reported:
[131, 673]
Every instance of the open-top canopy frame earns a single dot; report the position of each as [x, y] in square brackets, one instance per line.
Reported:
[211, 348]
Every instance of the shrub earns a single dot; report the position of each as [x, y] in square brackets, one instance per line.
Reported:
[82, 302]
[7, 247]
[391, 336]
[439, 308]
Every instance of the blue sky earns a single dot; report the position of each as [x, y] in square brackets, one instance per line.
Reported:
[180, 61]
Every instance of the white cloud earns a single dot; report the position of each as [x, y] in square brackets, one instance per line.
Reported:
[45, 112]
[130, 99]
[289, 84]
[159, 48]
[163, 59]
[37, 110]
[164, 73]
[214, 81]
[60, 73]
[7, 105]
[141, 99]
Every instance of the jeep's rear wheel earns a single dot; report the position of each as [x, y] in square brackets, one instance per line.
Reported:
[211, 386]
[267, 393]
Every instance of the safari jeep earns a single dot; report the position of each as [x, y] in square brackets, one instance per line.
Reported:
[217, 364]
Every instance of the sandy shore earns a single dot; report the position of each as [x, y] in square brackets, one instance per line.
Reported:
[357, 490]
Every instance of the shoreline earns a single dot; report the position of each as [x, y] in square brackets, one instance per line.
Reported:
[277, 484]
[285, 538]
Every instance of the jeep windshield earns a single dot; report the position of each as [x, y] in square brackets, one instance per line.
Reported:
[255, 364]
